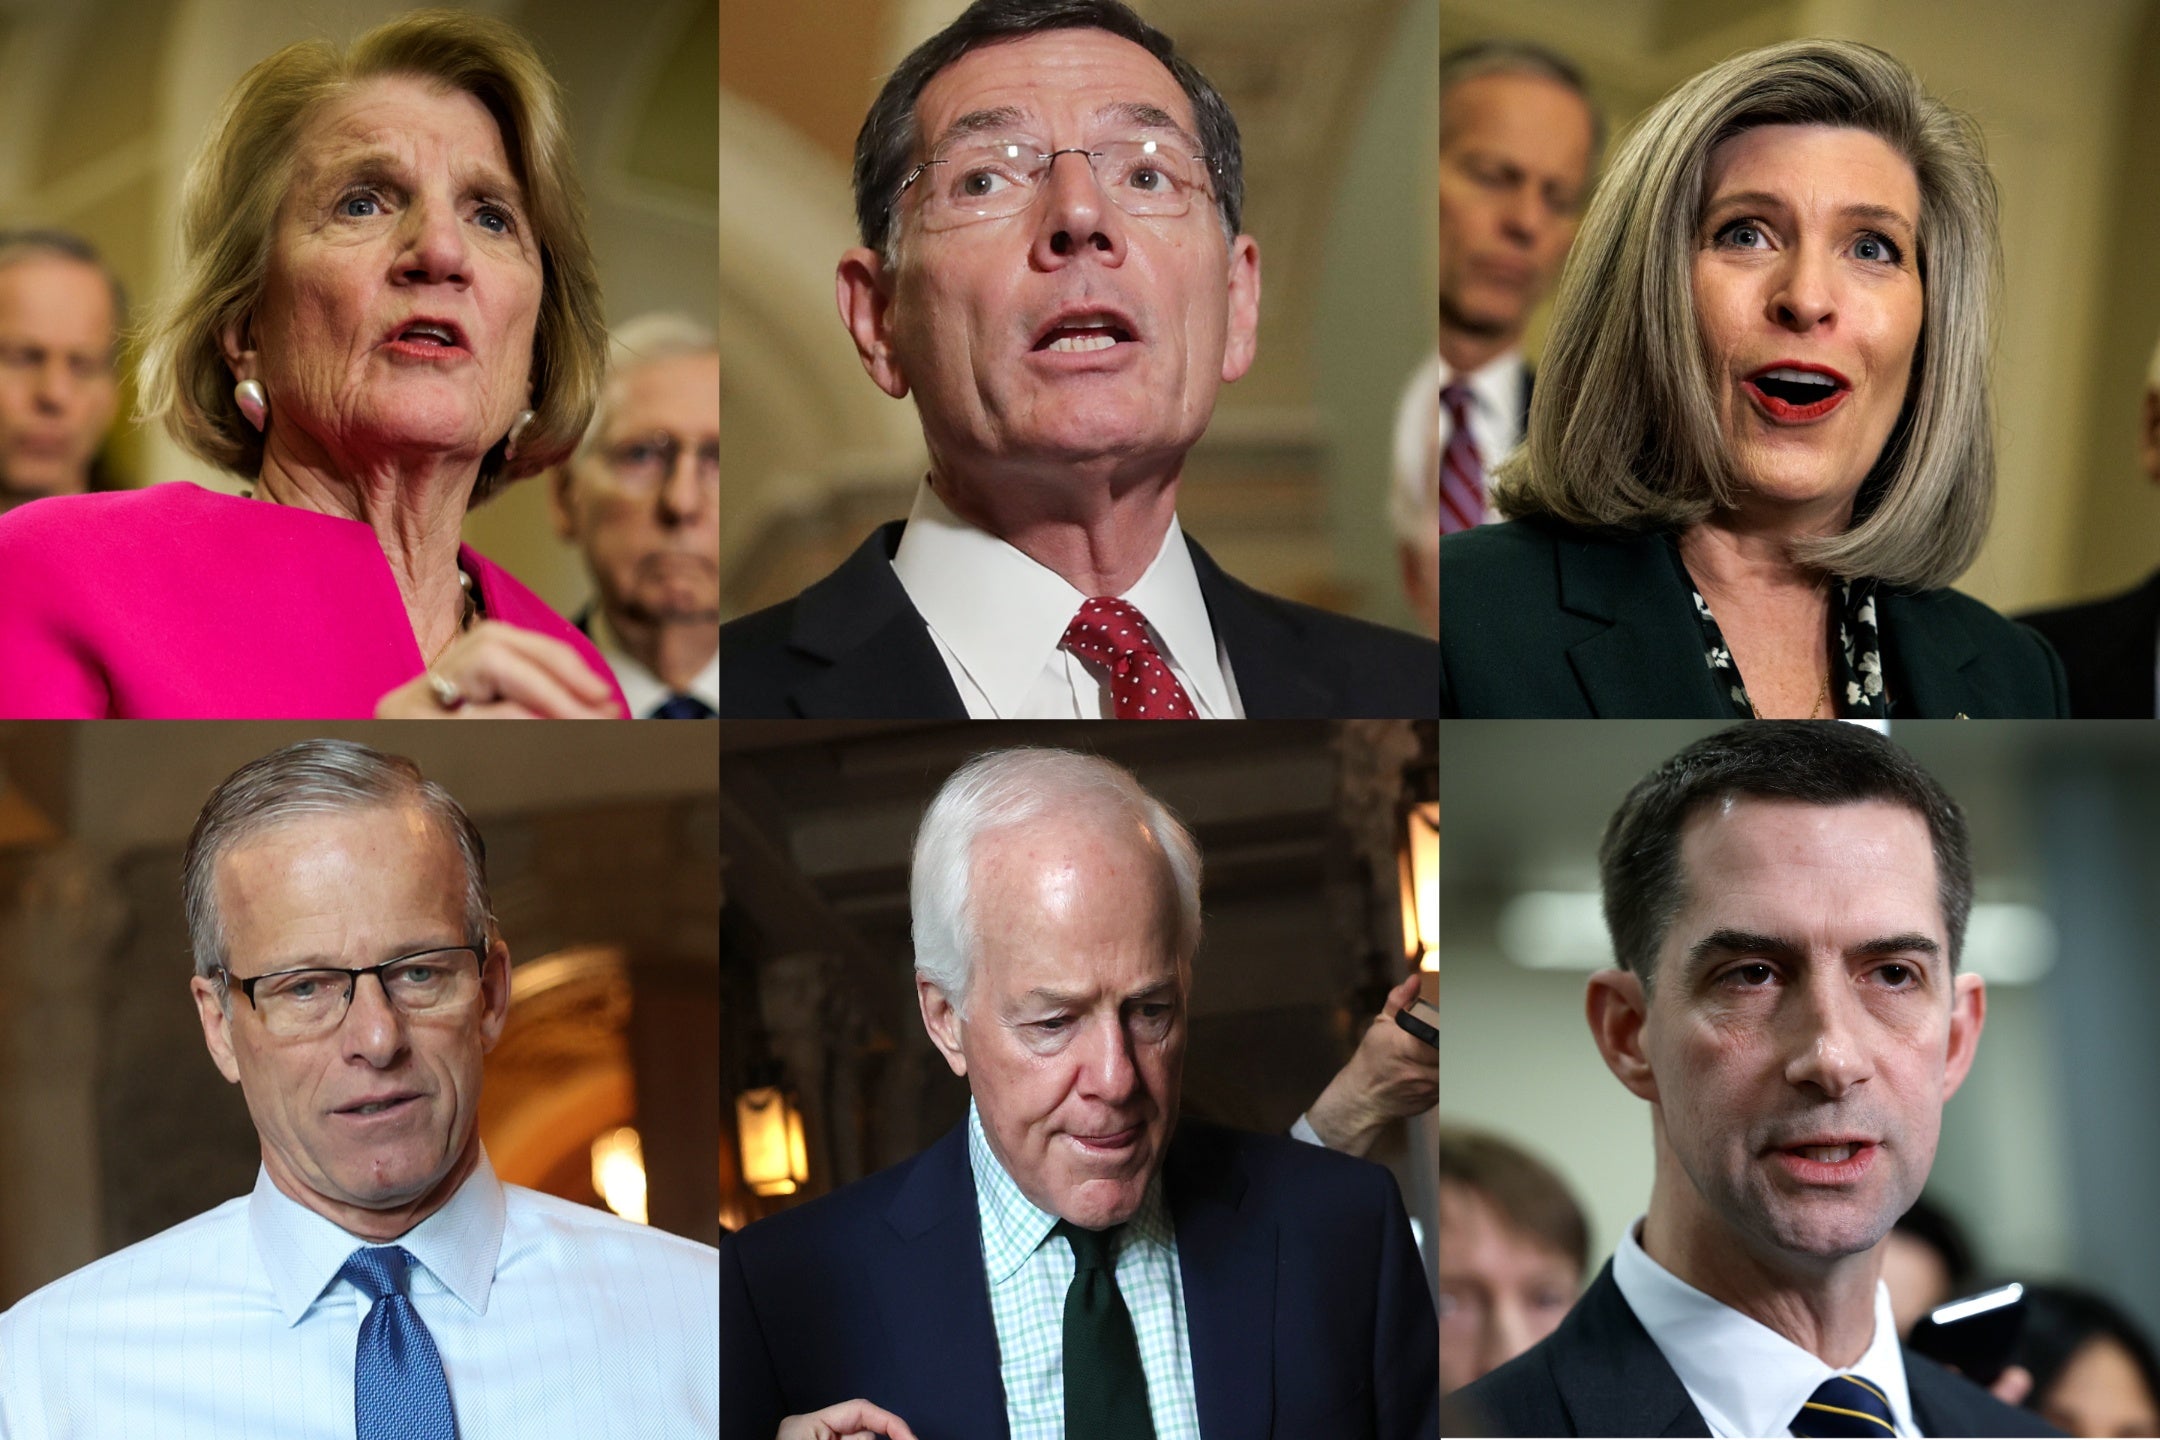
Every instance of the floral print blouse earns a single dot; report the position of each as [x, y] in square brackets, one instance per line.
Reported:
[1857, 690]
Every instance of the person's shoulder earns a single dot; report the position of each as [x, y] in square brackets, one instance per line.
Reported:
[583, 1229]
[2098, 615]
[835, 1221]
[1520, 1397]
[1292, 1173]
[101, 516]
[191, 1257]
[1937, 615]
[1946, 1403]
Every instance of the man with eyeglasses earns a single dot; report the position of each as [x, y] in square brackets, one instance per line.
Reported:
[380, 1281]
[1049, 198]
[640, 500]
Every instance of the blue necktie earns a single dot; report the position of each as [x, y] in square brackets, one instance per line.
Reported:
[683, 707]
[1845, 1405]
[399, 1390]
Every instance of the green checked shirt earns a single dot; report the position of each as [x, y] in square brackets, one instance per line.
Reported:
[1029, 1272]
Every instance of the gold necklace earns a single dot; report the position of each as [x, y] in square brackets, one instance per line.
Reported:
[1814, 711]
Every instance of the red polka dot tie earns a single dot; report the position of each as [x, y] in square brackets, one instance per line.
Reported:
[1114, 635]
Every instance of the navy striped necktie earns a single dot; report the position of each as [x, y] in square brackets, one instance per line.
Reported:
[1845, 1405]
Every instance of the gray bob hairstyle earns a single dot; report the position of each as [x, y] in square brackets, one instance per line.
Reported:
[317, 777]
[1005, 788]
[239, 181]
[1624, 430]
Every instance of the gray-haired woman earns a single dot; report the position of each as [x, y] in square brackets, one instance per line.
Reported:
[1761, 445]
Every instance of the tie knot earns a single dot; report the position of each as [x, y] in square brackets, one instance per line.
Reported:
[1845, 1405]
[377, 1270]
[1457, 398]
[1109, 627]
[1092, 1249]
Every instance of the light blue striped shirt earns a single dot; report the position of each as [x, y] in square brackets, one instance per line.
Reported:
[552, 1319]
[1030, 1270]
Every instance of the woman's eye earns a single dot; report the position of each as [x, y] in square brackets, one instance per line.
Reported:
[495, 219]
[1878, 249]
[348, 204]
[1743, 235]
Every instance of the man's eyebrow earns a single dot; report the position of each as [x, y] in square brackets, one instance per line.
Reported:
[1720, 943]
[1142, 116]
[981, 122]
[1912, 943]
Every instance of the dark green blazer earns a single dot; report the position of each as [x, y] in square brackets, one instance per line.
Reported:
[1539, 619]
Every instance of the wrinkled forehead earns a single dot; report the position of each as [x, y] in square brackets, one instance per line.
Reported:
[1059, 86]
[1070, 883]
[382, 124]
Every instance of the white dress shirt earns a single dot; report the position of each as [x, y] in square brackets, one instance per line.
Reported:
[997, 617]
[552, 1320]
[1029, 1271]
[1744, 1377]
[1497, 415]
[646, 691]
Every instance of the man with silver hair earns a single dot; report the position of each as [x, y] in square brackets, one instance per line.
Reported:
[641, 501]
[2110, 647]
[380, 1281]
[1070, 1260]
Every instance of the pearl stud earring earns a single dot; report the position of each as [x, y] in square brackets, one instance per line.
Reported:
[517, 428]
[253, 400]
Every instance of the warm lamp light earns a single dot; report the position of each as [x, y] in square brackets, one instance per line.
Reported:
[618, 1172]
[775, 1160]
[1421, 884]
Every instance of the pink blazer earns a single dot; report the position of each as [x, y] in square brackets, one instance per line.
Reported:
[180, 603]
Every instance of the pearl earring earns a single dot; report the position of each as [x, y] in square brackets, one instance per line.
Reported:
[517, 428]
[253, 400]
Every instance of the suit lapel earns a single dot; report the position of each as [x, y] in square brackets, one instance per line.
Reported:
[1268, 656]
[936, 1270]
[1648, 658]
[880, 659]
[1930, 652]
[1612, 1378]
[1226, 1264]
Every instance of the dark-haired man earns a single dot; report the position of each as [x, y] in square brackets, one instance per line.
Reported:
[1050, 201]
[1787, 902]
[61, 309]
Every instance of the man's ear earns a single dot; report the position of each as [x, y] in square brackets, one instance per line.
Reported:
[863, 288]
[216, 1026]
[1241, 341]
[1968, 1015]
[494, 993]
[1618, 1010]
[942, 1021]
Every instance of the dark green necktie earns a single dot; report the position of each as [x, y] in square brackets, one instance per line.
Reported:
[1105, 1388]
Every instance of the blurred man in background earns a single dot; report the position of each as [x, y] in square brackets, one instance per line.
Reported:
[1513, 1249]
[641, 500]
[2110, 648]
[1414, 498]
[1518, 139]
[61, 309]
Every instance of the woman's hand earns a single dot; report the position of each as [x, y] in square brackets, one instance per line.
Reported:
[499, 672]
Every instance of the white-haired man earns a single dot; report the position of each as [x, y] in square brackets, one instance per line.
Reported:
[2110, 647]
[1070, 1260]
[641, 500]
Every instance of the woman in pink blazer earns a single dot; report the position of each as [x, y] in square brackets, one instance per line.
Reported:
[386, 308]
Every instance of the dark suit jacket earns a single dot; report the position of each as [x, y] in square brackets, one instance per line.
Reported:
[853, 646]
[1600, 1373]
[1305, 1306]
[1539, 619]
[2107, 646]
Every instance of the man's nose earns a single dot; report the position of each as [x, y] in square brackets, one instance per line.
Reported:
[1109, 1072]
[1829, 1047]
[56, 384]
[1075, 214]
[683, 493]
[374, 1028]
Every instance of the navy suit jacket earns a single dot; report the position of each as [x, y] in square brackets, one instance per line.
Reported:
[2107, 646]
[1600, 1373]
[1306, 1309]
[852, 646]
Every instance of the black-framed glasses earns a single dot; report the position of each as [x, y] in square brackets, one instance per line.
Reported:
[297, 1004]
[988, 180]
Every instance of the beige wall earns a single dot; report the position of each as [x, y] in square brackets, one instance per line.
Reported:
[2070, 138]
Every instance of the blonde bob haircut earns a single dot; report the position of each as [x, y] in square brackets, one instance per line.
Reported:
[1624, 430]
[236, 185]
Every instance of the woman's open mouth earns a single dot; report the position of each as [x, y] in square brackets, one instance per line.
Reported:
[1792, 395]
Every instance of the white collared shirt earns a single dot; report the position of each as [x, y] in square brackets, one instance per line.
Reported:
[997, 616]
[1497, 416]
[552, 1319]
[1744, 1377]
[646, 691]
[1029, 1271]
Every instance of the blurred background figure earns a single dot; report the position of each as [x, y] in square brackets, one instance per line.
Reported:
[1513, 1250]
[2110, 647]
[1927, 1260]
[640, 501]
[1519, 136]
[61, 309]
[2094, 1371]
[1414, 499]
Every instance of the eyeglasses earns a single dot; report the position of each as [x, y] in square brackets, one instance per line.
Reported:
[987, 181]
[646, 463]
[302, 1004]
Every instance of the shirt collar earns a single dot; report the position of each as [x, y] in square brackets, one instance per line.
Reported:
[302, 1252]
[1747, 1378]
[1014, 1229]
[950, 569]
[1495, 386]
[643, 690]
